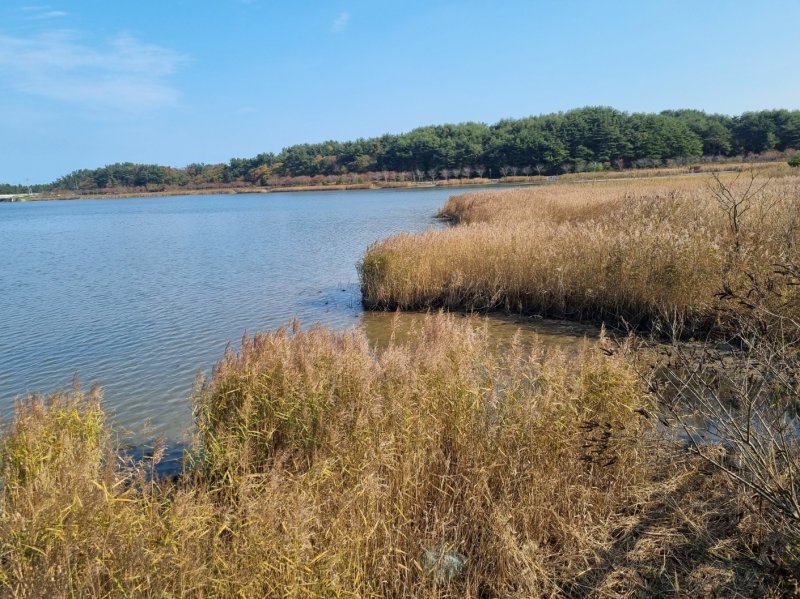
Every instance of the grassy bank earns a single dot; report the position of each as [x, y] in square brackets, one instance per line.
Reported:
[651, 253]
[765, 168]
[126, 192]
[434, 469]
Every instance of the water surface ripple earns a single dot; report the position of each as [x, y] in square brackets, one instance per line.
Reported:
[140, 294]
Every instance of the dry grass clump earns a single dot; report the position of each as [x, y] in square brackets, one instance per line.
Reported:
[392, 467]
[435, 469]
[649, 253]
[76, 521]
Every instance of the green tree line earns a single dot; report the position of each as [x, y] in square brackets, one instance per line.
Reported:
[584, 139]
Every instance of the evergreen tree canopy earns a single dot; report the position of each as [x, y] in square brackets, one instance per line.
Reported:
[591, 138]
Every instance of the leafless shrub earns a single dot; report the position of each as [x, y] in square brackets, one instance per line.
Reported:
[737, 402]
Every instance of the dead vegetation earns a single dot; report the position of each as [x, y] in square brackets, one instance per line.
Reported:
[652, 255]
[440, 467]
[437, 469]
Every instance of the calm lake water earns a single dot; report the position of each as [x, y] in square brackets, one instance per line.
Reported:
[140, 294]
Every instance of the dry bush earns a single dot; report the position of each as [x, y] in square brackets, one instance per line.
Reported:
[737, 402]
[651, 254]
[764, 168]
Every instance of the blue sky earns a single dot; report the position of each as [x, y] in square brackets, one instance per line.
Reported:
[89, 82]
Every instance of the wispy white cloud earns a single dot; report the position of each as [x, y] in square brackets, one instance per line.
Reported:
[42, 12]
[120, 74]
[50, 14]
[341, 21]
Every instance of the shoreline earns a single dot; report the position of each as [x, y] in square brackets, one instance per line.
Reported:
[253, 190]
[511, 181]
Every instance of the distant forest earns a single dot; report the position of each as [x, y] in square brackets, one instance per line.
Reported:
[584, 139]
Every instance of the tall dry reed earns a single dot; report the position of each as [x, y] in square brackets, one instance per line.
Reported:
[652, 254]
[434, 449]
[435, 469]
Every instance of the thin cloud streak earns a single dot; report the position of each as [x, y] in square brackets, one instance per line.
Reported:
[52, 14]
[340, 22]
[45, 12]
[122, 74]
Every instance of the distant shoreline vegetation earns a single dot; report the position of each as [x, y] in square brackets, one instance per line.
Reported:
[592, 139]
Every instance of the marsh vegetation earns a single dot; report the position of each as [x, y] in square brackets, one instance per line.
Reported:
[441, 466]
[652, 255]
[322, 469]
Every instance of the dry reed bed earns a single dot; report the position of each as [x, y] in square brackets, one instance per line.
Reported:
[323, 470]
[649, 253]
[774, 169]
[771, 169]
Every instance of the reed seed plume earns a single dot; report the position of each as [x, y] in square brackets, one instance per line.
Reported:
[435, 468]
[650, 254]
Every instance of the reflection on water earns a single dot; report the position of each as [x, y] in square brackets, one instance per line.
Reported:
[380, 326]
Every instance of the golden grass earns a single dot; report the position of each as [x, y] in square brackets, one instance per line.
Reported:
[435, 469]
[769, 169]
[650, 253]
[433, 447]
